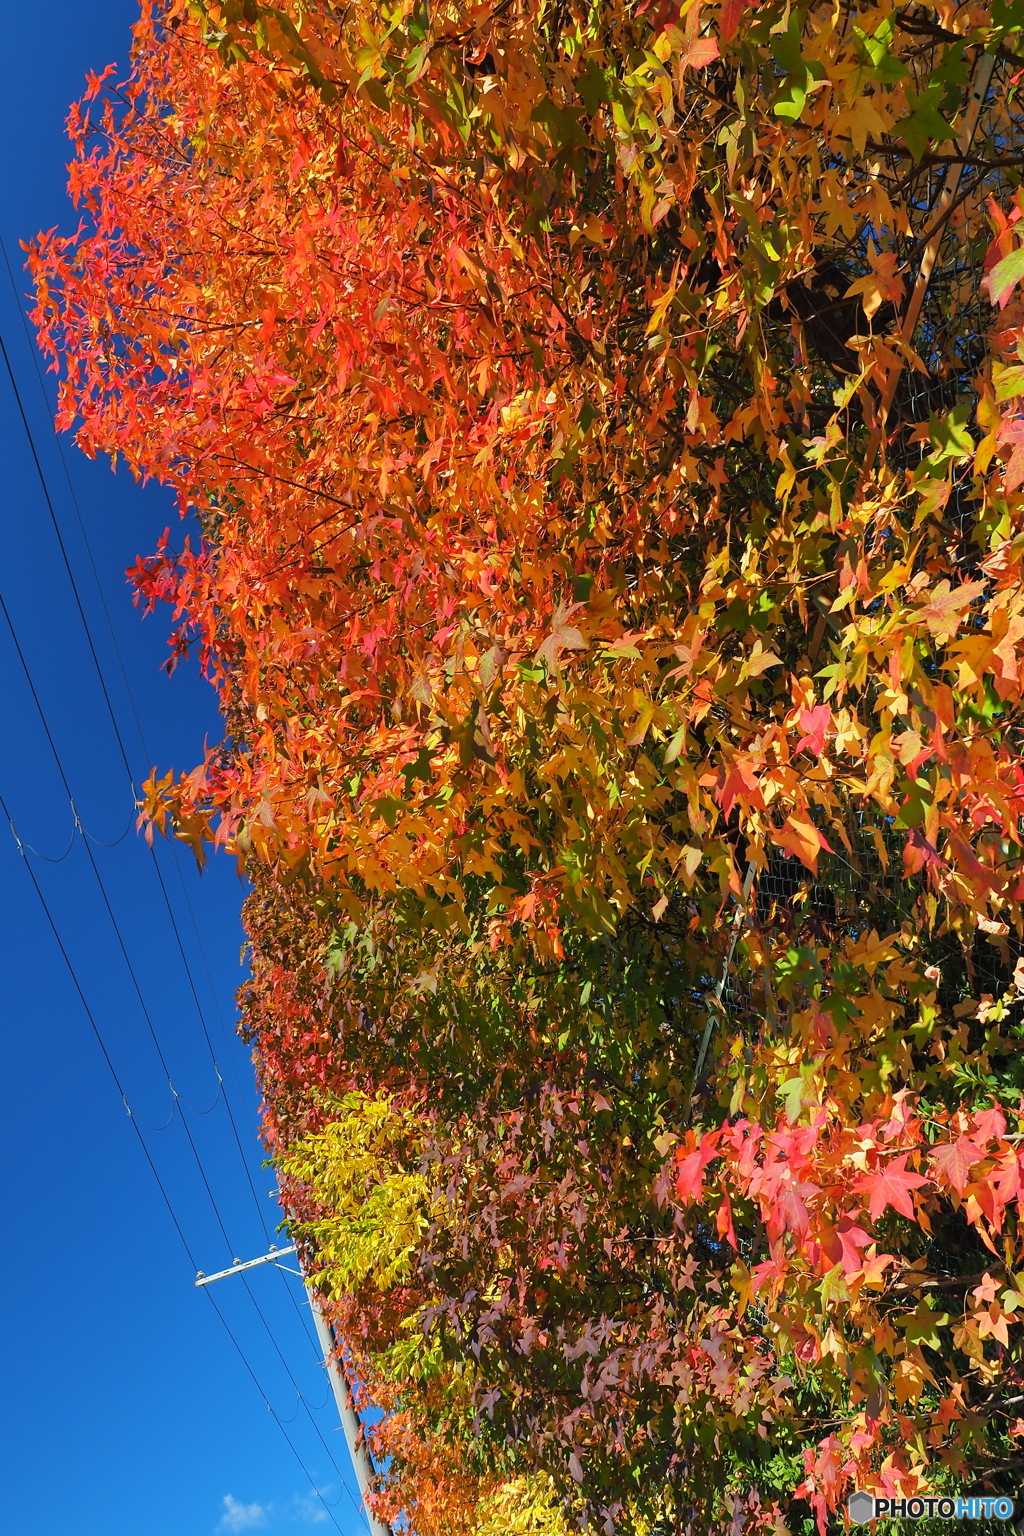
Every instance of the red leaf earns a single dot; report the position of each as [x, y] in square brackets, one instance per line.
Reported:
[1005, 1178]
[740, 784]
[729, 19]
[954, 1161]
[991, 1121]
[814, 723]
[917, 852]
[723, 1221]
[791, 1207]
[801, 838]
[890, 1185]
[841, 1245]
[690, 1168]
[701, 52]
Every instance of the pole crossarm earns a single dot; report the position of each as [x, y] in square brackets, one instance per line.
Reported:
[361, 1463]
[238, 1266]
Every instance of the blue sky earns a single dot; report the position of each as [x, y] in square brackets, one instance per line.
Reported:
[127, 1410]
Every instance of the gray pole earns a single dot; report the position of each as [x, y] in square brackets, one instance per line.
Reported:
[346, 1409]
[361, 1464]
[358, 1454]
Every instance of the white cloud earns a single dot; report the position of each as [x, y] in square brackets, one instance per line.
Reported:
[300, 1510]
[241, 1517]
[309, 1511]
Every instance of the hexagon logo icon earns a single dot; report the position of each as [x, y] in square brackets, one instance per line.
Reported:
[861, 1507]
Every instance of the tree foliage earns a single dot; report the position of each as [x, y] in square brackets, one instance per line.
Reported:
[604, 425]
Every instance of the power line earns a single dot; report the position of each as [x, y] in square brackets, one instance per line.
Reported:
[37, 462]
[83, 530]
[95, 868]
[159, 875]
[241, 1354]
[139, 731]
[206, 1037]
[94, 1026]
[104, 1051]
[295, 1384]
[222, 1087]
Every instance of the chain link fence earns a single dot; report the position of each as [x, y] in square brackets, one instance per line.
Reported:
[862, 887]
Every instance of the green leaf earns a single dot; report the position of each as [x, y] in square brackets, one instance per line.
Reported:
[922, 1325]
[675, 746]
[834, 1288]
[1009, 382]
[1008, 16]
[874, 49]
[801, 73]
[592, 85]
[1005, 276]
[950, 435]
[925, 125]
[915, 808]
[798, 1092]
[564, 124]
[377, 92]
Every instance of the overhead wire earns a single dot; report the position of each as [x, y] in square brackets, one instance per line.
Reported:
[99, 841]
[152, 1030]
[46, 858]
[79, 826]
[291, 1378]
[19, 652]
[166, 898]
[147, 1016]
[201, 950]
[73, 499]
[105, 1052]
[329, 1507]
[260, 1209]
[41, 475]
[301, 1312]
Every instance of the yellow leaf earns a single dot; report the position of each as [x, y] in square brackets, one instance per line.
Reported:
[910, 1378]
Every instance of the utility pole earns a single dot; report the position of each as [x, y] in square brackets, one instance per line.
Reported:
[361, 1464]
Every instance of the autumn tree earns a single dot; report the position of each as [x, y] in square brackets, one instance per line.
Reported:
[603, 423]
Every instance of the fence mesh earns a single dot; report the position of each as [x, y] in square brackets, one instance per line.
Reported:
[863, 887]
